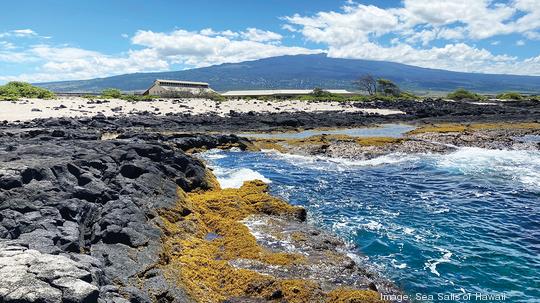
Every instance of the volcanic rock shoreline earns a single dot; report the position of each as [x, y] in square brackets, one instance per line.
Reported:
[81, 198]
[78, 216]
[83, 219]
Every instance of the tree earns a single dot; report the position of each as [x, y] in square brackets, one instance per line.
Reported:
[367, 83]
[388, 88]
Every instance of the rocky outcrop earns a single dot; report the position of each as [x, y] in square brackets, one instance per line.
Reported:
[26, 275]
[79, 216]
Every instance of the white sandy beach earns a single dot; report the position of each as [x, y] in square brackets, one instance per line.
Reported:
[28, 109]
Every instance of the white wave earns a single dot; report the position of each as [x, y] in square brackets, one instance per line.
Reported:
[397, 265]
[325, 163]
[372, 225]
[214, 154]
[408, 230]
[519, 165]
[432, 264]
[235, 178]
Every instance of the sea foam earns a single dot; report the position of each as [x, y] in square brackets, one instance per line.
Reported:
[519, 165]
[235, 178]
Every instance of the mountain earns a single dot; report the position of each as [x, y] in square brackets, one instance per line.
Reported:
[307, 72]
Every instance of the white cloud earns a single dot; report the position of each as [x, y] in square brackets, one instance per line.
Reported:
[208, 47]
[158, 52]
[20, 33]
[5, 45]
[24, 32]
[67, 63]
[406, 34]
[258, 35]
[289, 28]
[356, 31]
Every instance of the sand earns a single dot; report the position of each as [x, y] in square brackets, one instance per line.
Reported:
[28, 109]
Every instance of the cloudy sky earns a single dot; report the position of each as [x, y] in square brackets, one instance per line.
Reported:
[62, 40]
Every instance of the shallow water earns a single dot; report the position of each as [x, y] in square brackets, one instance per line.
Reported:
[385, 130]
[466, 222]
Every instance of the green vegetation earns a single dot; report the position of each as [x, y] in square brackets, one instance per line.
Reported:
[16, 90]
[111, 93]
[510, 96]
[387, 88]
[114, 93]
[462, 94]
[136, 98]
[213, 96]
[355, 98]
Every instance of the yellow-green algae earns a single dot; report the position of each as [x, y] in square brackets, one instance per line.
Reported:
[284, 145]
[462, 127]
[201, 265]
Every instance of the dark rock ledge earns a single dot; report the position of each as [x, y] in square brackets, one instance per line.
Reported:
[78, 215]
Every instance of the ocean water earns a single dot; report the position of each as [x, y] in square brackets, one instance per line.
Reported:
[462, 223]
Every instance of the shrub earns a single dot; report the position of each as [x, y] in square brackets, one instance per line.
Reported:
[462, 94]
[111, 93]
[213, 96]
[408, 96]
[510, 96]
[16, 90]
[138, 97]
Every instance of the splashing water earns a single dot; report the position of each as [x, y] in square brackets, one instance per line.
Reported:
[461, 222]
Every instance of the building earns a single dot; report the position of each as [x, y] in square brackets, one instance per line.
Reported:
[173, 88]
[280, 92]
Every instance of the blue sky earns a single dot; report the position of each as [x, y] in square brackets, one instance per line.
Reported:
[61, 40]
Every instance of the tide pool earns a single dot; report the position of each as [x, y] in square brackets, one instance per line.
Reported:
[465, 222]
[384, 130]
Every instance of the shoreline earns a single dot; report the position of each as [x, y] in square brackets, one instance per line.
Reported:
[94, 190]
[121, 197]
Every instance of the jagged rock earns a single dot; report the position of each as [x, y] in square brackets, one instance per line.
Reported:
[66, 196]
[76, 291]
[28, 275]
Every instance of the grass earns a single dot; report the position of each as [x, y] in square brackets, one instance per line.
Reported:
[13, 91]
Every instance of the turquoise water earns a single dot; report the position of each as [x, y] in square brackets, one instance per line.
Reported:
[384, 130]
[466, 222]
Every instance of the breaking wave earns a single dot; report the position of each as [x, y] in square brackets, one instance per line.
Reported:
[235, 178]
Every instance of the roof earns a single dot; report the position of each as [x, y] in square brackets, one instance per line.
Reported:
[278, 92]
[181, 82]
[180, 89]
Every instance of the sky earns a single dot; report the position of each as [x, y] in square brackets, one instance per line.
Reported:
[56, 40]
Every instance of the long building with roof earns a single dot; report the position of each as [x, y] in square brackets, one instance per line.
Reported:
[174, 88]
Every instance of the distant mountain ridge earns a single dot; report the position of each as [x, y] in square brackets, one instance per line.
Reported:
[308, 72]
